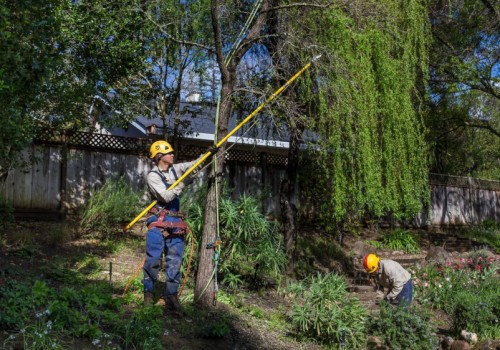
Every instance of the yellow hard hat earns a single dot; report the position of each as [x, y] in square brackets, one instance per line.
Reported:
[371, 263]
[160, 147]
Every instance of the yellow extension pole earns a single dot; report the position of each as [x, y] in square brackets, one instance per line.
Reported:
[221, 142]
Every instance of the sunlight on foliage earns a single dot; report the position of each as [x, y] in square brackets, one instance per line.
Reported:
[488, 233]
[403, 328]
[467, 291]
[322, 310]
[251, 245]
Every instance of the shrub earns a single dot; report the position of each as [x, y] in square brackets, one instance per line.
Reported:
[404, 328]
[213, 325]
[41, 316]
[436, 286]
[400, 239]
[480, 260]
[251, 245]
[323, 311]
[476, 309]
[111, 205]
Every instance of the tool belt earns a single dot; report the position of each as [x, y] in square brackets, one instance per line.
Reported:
[169, 228]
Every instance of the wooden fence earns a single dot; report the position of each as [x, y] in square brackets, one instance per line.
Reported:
[458, 201]
[68, 169]
[65, 171]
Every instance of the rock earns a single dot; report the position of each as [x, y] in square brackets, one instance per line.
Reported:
[488, 345]
[469, 336]
[360, 249]
[446, 343]
[460, 345]
[375, 343]
[437, 254]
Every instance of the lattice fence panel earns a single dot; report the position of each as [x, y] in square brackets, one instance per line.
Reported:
[140, 146]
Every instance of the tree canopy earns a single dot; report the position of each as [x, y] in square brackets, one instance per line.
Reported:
[57, 57]
[463, 115]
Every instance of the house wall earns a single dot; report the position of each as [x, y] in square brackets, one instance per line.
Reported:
[61, 179]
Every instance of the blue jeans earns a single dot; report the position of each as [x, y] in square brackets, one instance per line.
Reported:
[405, 297]
[156, 244]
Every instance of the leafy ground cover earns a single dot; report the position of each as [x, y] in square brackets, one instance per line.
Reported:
[60, 289]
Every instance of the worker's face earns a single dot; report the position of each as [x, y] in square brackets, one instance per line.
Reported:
[167, 159]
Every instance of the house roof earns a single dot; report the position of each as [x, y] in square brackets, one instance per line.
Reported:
[197, 121]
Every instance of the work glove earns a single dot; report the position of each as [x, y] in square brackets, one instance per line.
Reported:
[188, 180]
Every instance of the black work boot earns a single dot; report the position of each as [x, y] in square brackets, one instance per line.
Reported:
[148, 299]
[172, 304]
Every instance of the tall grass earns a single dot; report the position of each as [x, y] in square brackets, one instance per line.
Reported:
[112, 205]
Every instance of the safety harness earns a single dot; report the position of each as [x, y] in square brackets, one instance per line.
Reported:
[167, 216]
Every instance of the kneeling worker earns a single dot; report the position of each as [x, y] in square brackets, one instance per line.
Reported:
[391, 275]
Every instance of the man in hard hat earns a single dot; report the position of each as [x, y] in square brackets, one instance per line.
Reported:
[166, 228]
[391, 275]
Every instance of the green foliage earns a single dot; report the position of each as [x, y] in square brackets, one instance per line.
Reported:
[213, 325]
[488, 233]
[321, 249]
[465, 292]
[463, 117]
[404, 328]
[57, 56]
[251, 245]
[42, 316]
[27, 31]
[111, 205]
[437, 287]
[375, 244]
[13, 304]
[323, 311]
[476, 311]
[372, 157]
[144, 329]
[232, 281]
[168, 60]
[400, 239]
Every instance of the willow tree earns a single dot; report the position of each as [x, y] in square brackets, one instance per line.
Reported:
[367, 155]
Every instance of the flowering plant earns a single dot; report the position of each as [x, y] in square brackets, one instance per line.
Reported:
[464, 290]
[480, 261]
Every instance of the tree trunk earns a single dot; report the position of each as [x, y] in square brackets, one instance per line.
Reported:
[205, 285]
[204, 289]
[287, 193]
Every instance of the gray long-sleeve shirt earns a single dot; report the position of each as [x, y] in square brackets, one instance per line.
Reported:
[393, 276]
[157, 187]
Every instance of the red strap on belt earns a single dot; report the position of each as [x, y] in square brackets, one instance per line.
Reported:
[160, 223]
[169, 224]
